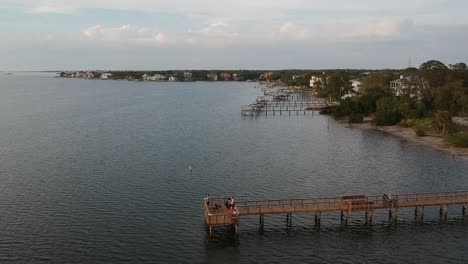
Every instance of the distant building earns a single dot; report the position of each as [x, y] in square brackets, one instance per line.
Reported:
[235, 77]
[187, 76]
[413, 86]
[80, 74]
[225, 76]
[266, 75]
[173, 79]
[356, 85]
[316, 82]
[212, 76]
[156, 77]
[90, 75]
[106, 75]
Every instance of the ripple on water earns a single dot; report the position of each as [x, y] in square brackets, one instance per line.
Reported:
[97, 172]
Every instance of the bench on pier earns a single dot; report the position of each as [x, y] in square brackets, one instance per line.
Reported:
[358, 202]
[354, 197]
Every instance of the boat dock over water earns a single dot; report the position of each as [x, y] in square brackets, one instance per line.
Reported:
[216, 213]
[286, 104]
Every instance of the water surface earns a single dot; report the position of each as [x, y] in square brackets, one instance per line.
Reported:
[97, 172]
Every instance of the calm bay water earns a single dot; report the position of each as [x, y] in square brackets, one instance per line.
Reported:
[97, 172]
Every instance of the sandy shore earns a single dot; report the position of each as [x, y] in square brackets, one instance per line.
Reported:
[409, 134]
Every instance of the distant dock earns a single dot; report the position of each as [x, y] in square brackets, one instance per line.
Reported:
[279, 103]
[344, 204]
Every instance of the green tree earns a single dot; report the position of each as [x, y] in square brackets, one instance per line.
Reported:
[458, 66]
[336, 86]
[442, 122]
[451, 97]
[432, 65]
[388, 111]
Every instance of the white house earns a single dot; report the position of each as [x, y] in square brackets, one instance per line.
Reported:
[316, 82]
[212, 76]
[156, 77]
[413, 86]
[356, 85]
[106, 75]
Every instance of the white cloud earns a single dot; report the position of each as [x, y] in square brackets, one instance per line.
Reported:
[52, 10]
[213, 34]
[369, 30]
[292, 30]
[125, 34]
[381, 29]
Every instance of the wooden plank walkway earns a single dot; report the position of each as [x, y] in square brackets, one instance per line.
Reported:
[343, 204]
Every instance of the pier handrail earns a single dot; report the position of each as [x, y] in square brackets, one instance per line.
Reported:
[338, 201]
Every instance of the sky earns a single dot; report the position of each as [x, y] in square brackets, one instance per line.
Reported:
[227, 34]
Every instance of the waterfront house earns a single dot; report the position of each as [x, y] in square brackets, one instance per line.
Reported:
[225, 76]
[356, 85]
[173, 79]
[80, 74]
[316, 82]
[90, 75]
[212, 76]
[156, 77]
[412, 86]
[187, 76]
[105, 75]
[266, 75]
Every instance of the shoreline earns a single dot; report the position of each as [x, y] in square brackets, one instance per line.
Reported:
[409, 135]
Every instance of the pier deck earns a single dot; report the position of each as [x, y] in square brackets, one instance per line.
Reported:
[343, 204]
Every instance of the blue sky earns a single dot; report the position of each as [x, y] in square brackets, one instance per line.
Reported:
[242, 34]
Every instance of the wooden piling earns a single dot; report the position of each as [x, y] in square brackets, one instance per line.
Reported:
[261, 222]
[393, 215]
[369, 215]
[318, 215]
[419, 213]
[344, 217]
[443, 212]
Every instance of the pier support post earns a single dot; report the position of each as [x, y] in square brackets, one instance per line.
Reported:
[419, 214]
[393, 215]
[344, 217]
[236, 229]
[318, 215]
[261, 223]
[369, 217]
[210, 231]
[464, 210]
[443, 212]
[288, 219]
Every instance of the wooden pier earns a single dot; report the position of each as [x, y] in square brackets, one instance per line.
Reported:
[344, 204]
[280, 107]
[278, 100]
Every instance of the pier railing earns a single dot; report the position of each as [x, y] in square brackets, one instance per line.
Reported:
[351, 203]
